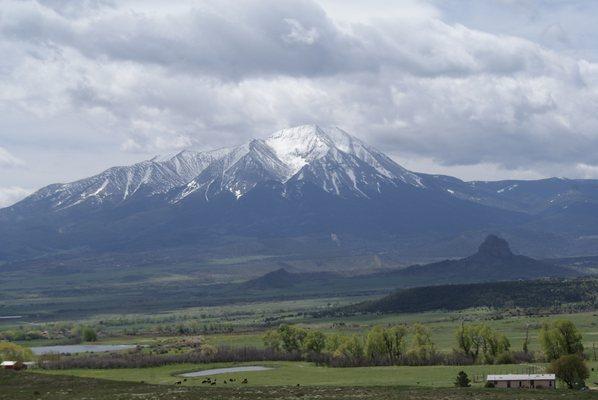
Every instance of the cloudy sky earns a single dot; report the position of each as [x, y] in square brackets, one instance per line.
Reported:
[476, 89]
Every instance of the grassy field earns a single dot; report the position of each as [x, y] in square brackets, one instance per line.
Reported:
[21, 386]
[247, 323]
[442, 325]
[308, 374]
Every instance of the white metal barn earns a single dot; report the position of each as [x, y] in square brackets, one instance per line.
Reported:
[538, 381]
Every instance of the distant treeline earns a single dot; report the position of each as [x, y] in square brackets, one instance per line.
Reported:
[140, 359]
[539, 294]
[398, 344]
[402, 344]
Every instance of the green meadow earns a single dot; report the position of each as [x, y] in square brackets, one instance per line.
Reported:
[308, 374]
[26, 386]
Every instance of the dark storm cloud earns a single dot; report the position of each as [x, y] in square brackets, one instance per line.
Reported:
[236, 40]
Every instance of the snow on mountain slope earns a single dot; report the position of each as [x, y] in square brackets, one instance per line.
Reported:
[343, 174]
[237, 172]
[299, 146]
[118, 184]
[304, 144]
[300, 182]
[328, 158]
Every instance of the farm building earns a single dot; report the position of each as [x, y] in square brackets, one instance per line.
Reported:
[11, 365]
[528, 381]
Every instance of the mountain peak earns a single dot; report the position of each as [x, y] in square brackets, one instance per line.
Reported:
[300, 145]
[495, 247]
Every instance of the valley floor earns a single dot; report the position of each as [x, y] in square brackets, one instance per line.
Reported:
[245, 324]
[308, 374]
[28, 385]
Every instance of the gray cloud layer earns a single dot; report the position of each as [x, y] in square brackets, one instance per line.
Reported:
[7, 160]
[141, 78]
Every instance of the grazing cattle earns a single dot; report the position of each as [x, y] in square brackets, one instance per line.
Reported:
[185, 380]
[177, 382]
[213, 383]
[244, 380]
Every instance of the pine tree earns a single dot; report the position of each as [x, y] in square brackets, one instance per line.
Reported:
[462, 380]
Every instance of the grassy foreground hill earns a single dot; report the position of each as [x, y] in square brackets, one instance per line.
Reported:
[24, 385]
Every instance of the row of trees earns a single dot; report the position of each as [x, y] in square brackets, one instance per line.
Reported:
[139, 358]
[482, 343]
[401, 344]
[558, 338]
[382, 345]
[388, 345]
[67, 334]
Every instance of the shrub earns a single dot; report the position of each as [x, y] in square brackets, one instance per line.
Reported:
[14, 352]
[422, 348]
[560, 338]
[571, 369]
[315, 342]
[385, 346]
[88, 334]
[462, 380]
[272, 340]
[521, 357]
[481, 342]
[505, 357]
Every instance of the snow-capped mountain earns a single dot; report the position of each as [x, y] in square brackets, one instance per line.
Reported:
[120, 184]
[329, 158]
[305, 182]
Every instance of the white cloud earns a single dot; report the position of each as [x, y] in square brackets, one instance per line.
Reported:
[7, 160]
[12, 194]
[144, 78]
[299, 34]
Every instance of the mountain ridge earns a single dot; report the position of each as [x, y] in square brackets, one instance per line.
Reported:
[494, 261]
[282, 157]
[300, 184]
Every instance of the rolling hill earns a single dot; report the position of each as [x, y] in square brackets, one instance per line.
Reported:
[542, 294]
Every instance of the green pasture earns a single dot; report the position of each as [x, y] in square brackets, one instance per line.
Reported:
[309, 374]
[442, 325]
[26, 386]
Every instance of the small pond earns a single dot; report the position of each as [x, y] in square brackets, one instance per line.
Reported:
[207, 372]
[80, 348]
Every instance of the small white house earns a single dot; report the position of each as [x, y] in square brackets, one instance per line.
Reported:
[527, 381]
